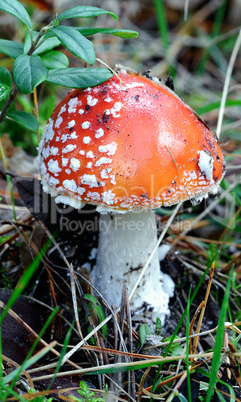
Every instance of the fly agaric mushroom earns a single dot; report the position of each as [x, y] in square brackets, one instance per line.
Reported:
[128, 146]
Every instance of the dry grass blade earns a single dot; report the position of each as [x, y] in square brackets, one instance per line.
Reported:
[73, 279]
[195, 341]
[199, 308]
[233, 219]
[36, 394]
[227, 81]
[141, 385]
[24, 372]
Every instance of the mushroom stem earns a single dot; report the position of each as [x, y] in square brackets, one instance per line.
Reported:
[125, 243]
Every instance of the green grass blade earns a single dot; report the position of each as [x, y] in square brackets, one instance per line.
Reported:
[162, 23]
[124, 367]
[62, 354]
[3, 393]
[216, 105]
[215, 31]
[219, 341]
[221, 398]
[207, 374]
[187, 345]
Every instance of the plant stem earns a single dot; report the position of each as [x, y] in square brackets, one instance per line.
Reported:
[34, 44]
[35, 99]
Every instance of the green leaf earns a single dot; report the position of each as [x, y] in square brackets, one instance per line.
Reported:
[143, 332]
[28, 72]
[84, 12]
[75, 43]
[10, 48]
[182, 398]
[4, 92]
[158, 326]
[54, 59]
[25, 119]
[15, 8]
[84, 387]
[5, 83]
[122, 33]
[48, 44]
[96, 306]
[78, 77]
[5, 77]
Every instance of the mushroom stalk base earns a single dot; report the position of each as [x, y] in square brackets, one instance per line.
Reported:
[125, 244]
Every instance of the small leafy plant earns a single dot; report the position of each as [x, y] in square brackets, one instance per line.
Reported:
[36, 60]
[87, 395]
[146, 330]
[39, 398]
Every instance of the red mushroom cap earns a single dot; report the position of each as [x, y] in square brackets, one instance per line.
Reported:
[128, 144]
